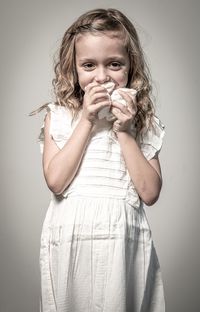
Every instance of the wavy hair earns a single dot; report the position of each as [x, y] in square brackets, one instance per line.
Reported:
[65, 84]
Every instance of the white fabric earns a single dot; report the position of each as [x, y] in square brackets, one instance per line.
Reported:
[97, 253]
[115, 96]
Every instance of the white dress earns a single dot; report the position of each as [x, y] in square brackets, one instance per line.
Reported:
[97, 253]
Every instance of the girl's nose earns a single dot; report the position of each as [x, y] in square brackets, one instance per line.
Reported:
[101, 75]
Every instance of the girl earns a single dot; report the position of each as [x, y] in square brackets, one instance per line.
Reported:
[97, 252]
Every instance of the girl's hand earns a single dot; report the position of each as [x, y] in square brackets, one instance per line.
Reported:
[96, 97]
[124, 113]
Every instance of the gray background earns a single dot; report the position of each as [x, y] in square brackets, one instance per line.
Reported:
[30, 34]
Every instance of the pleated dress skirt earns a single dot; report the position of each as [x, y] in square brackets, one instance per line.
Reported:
[98, 256]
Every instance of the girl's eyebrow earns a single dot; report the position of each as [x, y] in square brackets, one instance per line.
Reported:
[116, 57]
[86, 60]
[110, 58]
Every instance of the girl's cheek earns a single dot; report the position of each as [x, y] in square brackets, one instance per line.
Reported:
[122, 79]
[84, 79]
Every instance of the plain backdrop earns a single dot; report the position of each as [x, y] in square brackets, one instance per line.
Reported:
[30, 35]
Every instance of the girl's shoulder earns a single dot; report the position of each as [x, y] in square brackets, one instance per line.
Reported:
[58, 110]
[61, 121]
[152, 139]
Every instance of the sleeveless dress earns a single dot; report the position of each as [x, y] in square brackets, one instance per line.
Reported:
[97, 253]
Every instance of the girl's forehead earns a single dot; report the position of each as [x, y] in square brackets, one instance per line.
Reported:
[109, 34]
[100, 45]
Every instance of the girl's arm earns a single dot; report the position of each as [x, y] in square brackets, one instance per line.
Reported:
[60, 166]
[146, 175]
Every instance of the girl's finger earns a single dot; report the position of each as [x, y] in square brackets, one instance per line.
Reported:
[128, 97]
[90, 86]
[121, 107]
[97, 97]
[98, 106]
[130, 100]
[116, 112]
[93, 87]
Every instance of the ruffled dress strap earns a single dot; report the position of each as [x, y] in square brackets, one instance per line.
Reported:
[60, 125]
[151, 141]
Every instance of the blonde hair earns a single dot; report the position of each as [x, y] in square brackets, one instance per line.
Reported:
[65, 84]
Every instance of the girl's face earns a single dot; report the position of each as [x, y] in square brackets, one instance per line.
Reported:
[101, 58]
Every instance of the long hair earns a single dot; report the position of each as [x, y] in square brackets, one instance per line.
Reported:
[65, 84]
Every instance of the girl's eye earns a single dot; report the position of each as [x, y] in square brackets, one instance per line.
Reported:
[115, 65]
[88, 66]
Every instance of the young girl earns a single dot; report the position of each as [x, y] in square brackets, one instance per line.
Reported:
[97, 252]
